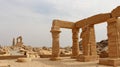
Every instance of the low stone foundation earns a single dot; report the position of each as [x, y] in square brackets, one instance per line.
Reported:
[83, 58]
[45, 56]
[12, 57]
[55, 58]
[74, 57]
[109, 61]
[49, 56]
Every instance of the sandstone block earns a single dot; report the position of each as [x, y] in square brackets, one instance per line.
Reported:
[63, 24]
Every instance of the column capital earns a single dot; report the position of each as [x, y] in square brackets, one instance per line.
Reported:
[75, 30]
[55, 31]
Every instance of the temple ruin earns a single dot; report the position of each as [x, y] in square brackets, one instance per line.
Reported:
[18, 41]
[57, 24]
[88, 37]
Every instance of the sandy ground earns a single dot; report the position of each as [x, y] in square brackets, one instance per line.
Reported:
[45, 62]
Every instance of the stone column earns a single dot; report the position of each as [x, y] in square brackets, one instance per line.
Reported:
[85, 40]
[92, 41]
[55, 43]
[113, 43]
[113, 39]
[17, 40]
[13, 43]
[75, 46]
[88, 44]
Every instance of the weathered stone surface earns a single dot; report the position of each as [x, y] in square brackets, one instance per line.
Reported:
[19, 41]
[55, 45]
[93, 20]
[55, 28]
[75, 46]
[110, 62]
[88, 41]
[9, 57]
[113, 38]
[118, 24]
[113, 44]
[98, 18]
[84, 58]
[81, 23]
[63, 24]
[88, 44]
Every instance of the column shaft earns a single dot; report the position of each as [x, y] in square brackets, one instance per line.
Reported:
[113, 39]
[113, 29]
[88, 44]
[75, 46]
[55, 43]
[88, 40]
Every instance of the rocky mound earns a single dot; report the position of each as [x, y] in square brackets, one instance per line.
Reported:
[102, 48]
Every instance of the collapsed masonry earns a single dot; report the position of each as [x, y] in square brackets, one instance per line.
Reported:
[88, 37]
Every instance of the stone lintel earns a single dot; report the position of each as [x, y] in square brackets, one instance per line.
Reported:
[55, 31]
[63, 24]
[96, 19]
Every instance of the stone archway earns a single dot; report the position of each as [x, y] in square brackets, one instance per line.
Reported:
[113, 29]
[55, 30]
[88, 36]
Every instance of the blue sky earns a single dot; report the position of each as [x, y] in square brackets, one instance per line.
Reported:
[32, 19]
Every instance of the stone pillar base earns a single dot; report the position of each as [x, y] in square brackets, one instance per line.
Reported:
[55, 58]
[83, 58]
[109, 61]
[74, 57]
